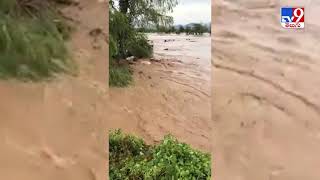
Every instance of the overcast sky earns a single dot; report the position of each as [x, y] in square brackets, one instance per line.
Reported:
[190, 11]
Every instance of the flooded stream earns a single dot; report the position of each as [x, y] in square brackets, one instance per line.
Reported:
[172, 94]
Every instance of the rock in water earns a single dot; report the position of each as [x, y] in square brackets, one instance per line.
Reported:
[145, 62]
[155, 60]
[131, 58]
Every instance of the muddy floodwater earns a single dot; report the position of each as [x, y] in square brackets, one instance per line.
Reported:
[194, 50]
[171, 95]
[266, 101]
[183, 45]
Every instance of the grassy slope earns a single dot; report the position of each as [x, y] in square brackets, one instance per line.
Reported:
[31, 47]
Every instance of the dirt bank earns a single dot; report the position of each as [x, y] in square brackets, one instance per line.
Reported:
[169, 96]
[55, 130]
[266, 102]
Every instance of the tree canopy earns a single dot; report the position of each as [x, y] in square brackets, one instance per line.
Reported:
[142, 13]
[126, 17]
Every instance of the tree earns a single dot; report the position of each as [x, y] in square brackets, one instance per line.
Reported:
[181, 29]
[198, 29]
[144, 12]
[120, 32]
[188, 30]
[127, 15]
[172, 29]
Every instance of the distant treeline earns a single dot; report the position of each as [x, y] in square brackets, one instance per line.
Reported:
[192, 29]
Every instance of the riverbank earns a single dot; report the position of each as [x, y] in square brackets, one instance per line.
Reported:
[55, 129]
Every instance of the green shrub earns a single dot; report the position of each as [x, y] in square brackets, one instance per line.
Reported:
[131, 158]
[113, 49]
[121, 32]
[139, 47]
[127, 41]
[122, 146]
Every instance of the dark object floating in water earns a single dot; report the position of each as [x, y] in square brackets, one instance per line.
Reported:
[166, 49]
[168, 40]
[190, 40]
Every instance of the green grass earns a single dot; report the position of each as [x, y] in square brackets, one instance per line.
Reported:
[131, 158]
[32, 48]
[120, 75]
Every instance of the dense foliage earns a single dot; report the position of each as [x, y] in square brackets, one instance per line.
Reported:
[131, 158]
[32, 39]
[141, 13]
[126, 41]
[124, 18]
[120, 33]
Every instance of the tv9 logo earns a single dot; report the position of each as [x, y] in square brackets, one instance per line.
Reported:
[292, 17]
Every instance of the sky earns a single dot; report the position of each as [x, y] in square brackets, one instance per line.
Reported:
[192, 11]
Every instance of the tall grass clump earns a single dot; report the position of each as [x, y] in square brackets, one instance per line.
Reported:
[120, 74]
[131, 158]
[32, 41]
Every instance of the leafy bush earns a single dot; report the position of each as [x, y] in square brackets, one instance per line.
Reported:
[121, 32]
[127, 41]
[113, 49]
[31, 48]
[139, 46]
[131, 158]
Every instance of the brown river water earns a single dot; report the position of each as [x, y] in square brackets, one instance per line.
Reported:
[170, 96]
[266, 100]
